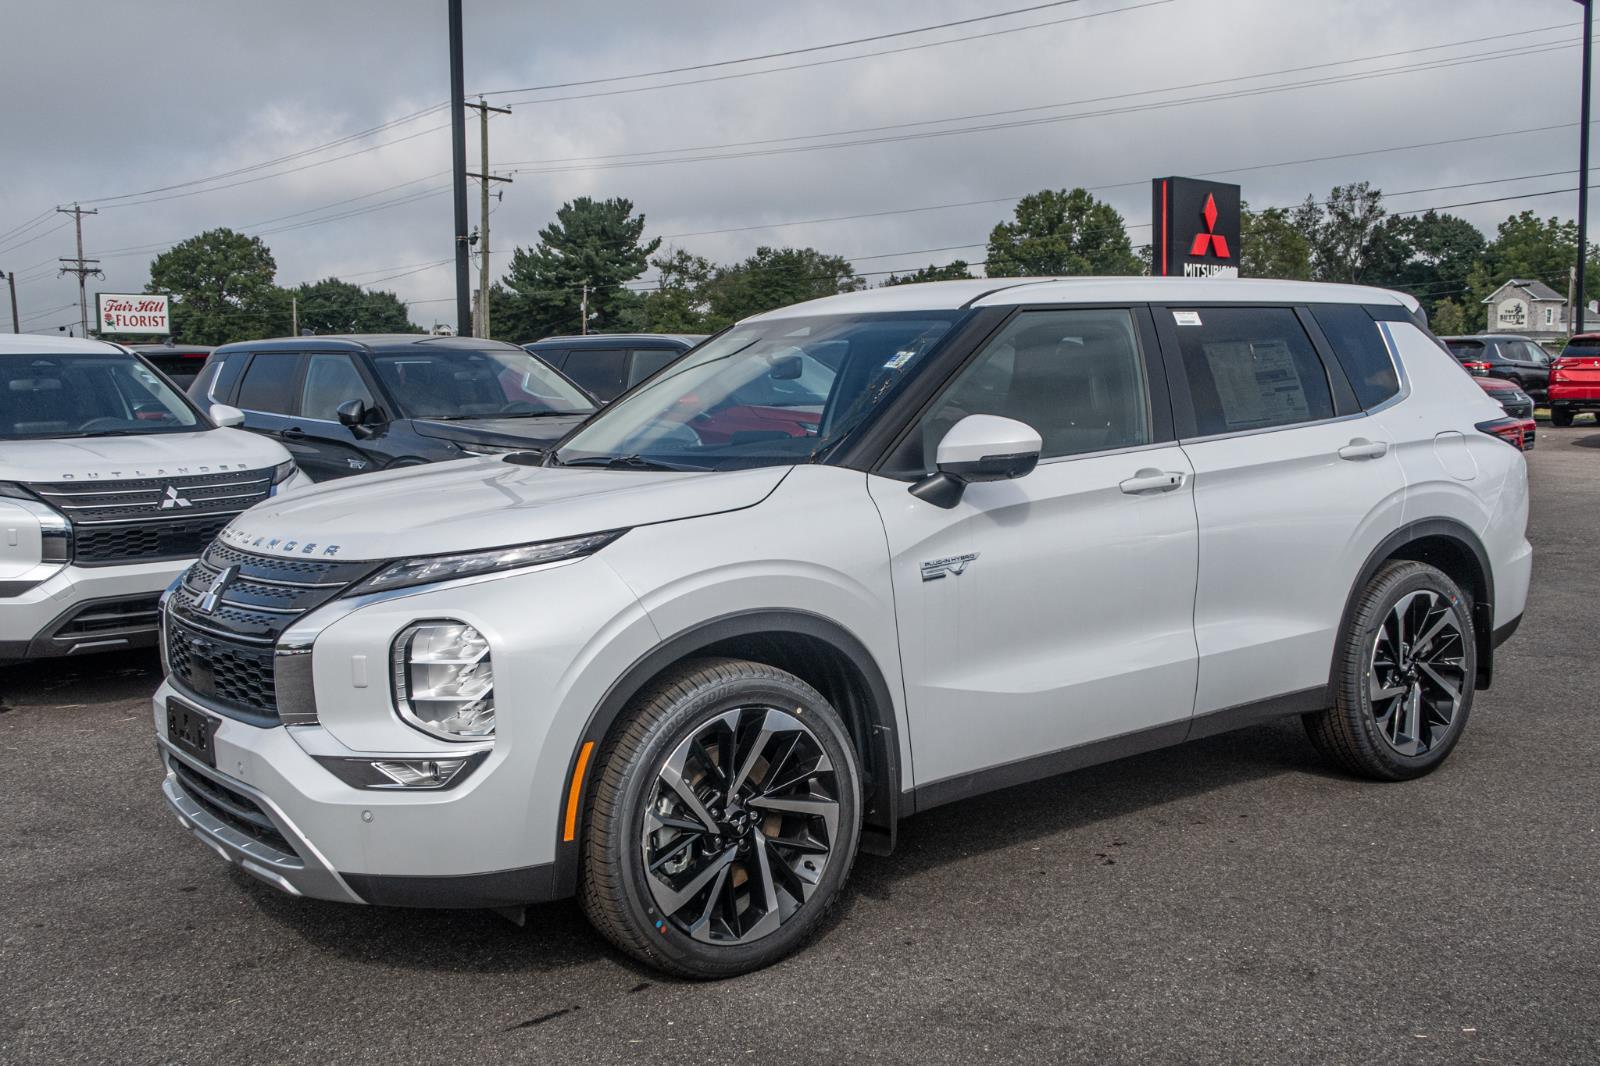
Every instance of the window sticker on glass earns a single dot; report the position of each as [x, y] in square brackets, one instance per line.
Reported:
[901, 358]
[1186, 318]
[1257, 383]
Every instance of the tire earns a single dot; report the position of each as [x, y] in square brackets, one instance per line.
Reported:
[730, 888]
[1393, 717]
[1561, 416]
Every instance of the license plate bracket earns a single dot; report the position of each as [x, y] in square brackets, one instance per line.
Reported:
[192, 731]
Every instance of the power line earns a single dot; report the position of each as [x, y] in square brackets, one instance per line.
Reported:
[547, 167]
[787, 52]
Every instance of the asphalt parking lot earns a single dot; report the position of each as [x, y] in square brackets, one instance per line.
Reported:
[1227, 901]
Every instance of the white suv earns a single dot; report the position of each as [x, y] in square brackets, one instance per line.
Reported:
[973, 534]
[110, 484]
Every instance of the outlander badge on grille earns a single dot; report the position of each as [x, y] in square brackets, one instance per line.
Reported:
[213, 594]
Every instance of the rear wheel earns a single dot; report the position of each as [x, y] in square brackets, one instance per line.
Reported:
[1407, 665]
[1562, 416]
[724, 820]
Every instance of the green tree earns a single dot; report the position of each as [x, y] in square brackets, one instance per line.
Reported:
[221, 284]
[1272, 245]
[1430, 256]
[334, 306]
[952, 271]
[1526, 246]
[775, 277]
[1344, 230]
[1061, 232]
[592, 243]
[1449, 318]
[679, 304]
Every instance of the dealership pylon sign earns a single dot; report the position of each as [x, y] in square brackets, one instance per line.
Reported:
[134, 313]
[1196, 228]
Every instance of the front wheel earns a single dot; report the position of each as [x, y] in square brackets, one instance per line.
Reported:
[1406, 668]
[724, 820]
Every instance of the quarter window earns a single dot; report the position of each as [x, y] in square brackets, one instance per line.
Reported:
[1251, 368]
[269, 382]
[1360, 350]
[1076, 377]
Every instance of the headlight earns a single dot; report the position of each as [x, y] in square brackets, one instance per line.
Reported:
[283, 472]
[431, 568]
[444, 680]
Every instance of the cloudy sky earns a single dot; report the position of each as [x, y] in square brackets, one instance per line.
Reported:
[174, 117]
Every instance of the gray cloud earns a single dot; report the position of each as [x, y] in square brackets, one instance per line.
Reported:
[107, 99]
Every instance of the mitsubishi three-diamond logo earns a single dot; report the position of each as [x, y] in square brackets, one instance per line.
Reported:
[173, 499]
[1210, 240]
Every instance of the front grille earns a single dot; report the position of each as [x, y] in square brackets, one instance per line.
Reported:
[225, 655]
[231, 808]
[140, 519]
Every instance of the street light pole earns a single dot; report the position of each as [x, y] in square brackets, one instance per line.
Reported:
[1583, 164]
[458, 166]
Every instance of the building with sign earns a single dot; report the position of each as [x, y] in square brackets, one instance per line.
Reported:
[1530, 308]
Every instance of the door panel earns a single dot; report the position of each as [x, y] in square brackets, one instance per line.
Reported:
[1069, 623]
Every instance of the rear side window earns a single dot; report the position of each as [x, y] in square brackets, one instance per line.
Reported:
[1251, 368]
[556, 357]
[647, 361]
[1360, 350]
[598, 370]
[269, 382]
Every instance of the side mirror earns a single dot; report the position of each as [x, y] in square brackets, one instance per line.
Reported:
[786, 368]
[979, 448]
[223, 415]
[354, 416]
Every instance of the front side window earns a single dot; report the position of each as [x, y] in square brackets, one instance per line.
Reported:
[110, 395]
[646, 361]
[1251, 368]
[331, 379]
[453, 383]
[1076, 377]
[763, 393]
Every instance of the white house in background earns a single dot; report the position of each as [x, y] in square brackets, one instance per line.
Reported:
[1528, 307]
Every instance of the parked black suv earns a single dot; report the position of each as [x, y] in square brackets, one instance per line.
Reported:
[181, 363]
[609, 364]
[343, 405]
[1505, 355]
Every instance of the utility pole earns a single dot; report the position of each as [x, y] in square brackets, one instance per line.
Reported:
[481, 323]
[294, 316]
[458, 167]
[585, 327]
[11, 280]
[81, 266]
[1572, 287]
[1583, 160]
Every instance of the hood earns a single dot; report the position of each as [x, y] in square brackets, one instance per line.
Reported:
[152, 455]
[468, 504]
[535, 432]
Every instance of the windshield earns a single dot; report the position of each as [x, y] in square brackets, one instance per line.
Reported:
[495, 383]
[762, 394]
[109, 395]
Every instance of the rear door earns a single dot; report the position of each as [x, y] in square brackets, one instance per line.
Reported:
[268, 395]
[1293, 486]
[1053, 611]
[326, 448]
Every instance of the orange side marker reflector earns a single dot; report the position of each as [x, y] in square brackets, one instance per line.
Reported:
[576, 791]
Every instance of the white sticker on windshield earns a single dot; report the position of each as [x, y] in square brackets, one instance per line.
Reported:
[1186, 318]
[900, 359]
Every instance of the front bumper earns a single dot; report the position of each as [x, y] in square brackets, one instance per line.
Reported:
[86, 609]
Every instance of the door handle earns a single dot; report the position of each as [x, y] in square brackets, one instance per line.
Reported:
[1151, 480]
[293, 433]
[1362, 448]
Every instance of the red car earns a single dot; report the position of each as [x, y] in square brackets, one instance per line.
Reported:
[1518, 426]
[1575, 379]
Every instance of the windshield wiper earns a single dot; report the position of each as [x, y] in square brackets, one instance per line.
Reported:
[116, 433]
[626, 462]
